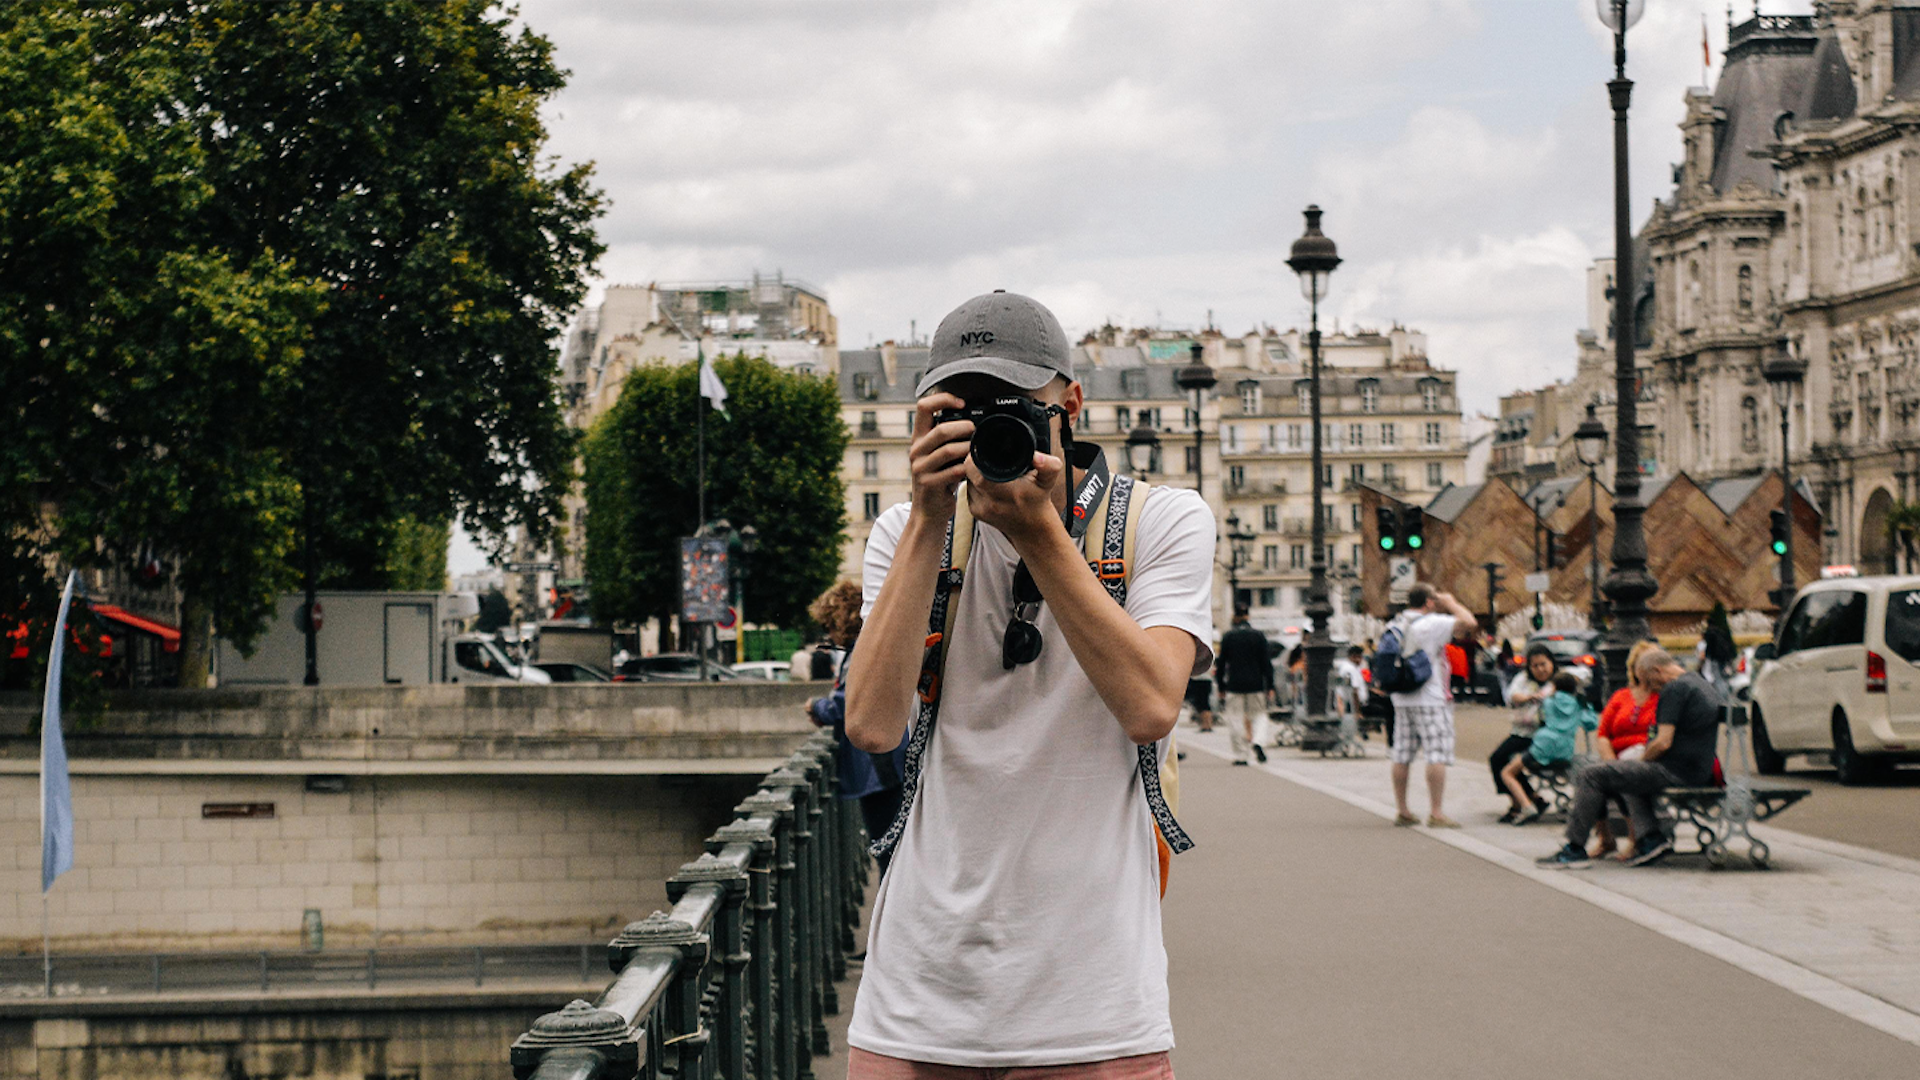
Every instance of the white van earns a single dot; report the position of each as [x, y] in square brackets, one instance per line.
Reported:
[1842, 678]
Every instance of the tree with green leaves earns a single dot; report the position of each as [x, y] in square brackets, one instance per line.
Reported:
[279, 272]
[773, 462]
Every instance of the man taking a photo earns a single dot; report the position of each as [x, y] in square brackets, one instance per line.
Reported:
[1019, 923]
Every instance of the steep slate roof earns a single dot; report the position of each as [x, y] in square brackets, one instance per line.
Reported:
[1452, 499]
[1768, 71]
[1831, 95]
[1906, 53]
[1729, 492]
[910, 363]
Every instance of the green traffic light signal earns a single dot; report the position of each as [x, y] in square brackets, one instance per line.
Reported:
[1779, 547]
[1414, 541]
[1386, 543]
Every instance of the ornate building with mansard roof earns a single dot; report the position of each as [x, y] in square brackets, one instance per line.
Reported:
[1792, 225]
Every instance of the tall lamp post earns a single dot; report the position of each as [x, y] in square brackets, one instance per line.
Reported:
[1629, 585]
[1784, 372]
[1314, 258]
[1198, 378]
[1142, 443]
[1238, 536]
[1590, 446]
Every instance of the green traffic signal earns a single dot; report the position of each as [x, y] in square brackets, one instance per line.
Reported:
[1386, 543]
[1414, 541]
[1779, 547]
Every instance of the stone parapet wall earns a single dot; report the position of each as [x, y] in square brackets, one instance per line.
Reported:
[354, 726]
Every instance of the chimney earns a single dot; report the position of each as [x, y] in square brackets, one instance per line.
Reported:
[889, 361]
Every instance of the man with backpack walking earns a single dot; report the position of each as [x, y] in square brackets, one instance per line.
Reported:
[1411, 666]
[1033, 637]
[1246, 677]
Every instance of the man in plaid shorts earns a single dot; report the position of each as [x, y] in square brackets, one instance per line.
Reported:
[1423, 716]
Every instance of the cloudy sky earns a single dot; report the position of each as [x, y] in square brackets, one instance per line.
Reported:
[1133, 161]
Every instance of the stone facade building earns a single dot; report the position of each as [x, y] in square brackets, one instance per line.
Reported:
[1391, 419]
[1792, 225]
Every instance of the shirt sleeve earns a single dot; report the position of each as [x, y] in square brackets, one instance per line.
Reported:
[1172, 577]
[881, 544]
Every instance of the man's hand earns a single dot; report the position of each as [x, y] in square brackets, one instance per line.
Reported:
[1021, 509]
[938, 457]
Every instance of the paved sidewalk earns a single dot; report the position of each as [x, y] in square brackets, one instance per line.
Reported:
[1310, 938]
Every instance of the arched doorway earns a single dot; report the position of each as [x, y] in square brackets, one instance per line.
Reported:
[1876, 548]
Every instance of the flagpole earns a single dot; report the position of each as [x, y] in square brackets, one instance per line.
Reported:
[46, 947]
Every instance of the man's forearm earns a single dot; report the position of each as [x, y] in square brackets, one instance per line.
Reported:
[885, 669]
[1139, 678]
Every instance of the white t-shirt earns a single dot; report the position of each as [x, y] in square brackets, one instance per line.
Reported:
[1019, 922]
[1427, 633]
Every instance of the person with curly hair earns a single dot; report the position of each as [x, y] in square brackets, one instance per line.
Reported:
[874, 779]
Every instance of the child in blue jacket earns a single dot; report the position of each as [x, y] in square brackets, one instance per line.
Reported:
[1564, 712]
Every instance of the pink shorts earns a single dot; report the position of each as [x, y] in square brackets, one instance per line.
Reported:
[862, 1065]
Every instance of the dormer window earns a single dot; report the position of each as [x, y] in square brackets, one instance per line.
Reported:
[863, 386]
[1369, 395]
[1304, 391]
[1133, 383]
[1249, 397]
[1430, 395]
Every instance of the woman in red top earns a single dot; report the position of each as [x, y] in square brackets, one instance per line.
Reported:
[1625, 726]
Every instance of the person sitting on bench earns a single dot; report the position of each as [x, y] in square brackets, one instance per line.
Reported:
[1680, 754]
[1562, 713]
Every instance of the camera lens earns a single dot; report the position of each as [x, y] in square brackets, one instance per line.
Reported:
[1003, 448]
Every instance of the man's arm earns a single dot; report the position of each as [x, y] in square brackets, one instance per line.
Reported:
[1140, 673]
[885, 670]
[1463, 621]
[1659, 744]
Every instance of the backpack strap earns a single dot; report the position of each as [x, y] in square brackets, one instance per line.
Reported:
[1119, 528]
[933, 661]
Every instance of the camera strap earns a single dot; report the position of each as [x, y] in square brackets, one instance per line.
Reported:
[1114, 545]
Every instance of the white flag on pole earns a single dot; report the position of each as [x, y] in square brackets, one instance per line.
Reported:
[56, 797]
[711, 387]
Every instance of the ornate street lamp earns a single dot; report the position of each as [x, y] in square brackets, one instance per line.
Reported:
[1238, 537]
[1142, 442]
[1629, 585]
[1198, 378]
[1590, 446]
[1784, 372]
[1314, 259]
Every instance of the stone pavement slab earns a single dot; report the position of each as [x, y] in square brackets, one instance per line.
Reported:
[1838, 924]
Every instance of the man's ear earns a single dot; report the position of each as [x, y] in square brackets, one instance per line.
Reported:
[1073, 399]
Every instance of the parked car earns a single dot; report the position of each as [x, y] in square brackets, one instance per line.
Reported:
[671, 667]
[770, 670]
[1576, 650]
[568, 671]
[1842, 678]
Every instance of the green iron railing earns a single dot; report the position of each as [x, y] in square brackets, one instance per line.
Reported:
[736, 982]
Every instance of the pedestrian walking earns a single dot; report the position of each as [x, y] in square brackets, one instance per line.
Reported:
[1680, 754]
[1422, 705]
[1019, 925]
[1245, 669]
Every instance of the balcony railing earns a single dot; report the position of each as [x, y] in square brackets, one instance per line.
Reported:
[738, 979]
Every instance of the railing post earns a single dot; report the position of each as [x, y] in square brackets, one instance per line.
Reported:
[580, 1042]
[724, 1002]
[751, 1033]
[684, 1033]
[833, 868]
[799, 776]
[784, 1053]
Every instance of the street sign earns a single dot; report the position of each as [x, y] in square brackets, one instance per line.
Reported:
[533, 568]
[1539, 582]
[319, 617]
[1400, 575]
[730, 620]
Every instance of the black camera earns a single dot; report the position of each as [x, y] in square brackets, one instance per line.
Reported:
[1007, 432]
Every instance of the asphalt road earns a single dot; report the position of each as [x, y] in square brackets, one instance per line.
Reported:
[1884, 816]
[1307, 938]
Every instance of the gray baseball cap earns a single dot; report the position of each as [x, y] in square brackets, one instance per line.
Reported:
[1011, 337]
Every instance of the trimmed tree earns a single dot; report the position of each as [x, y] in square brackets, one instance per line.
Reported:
[773, 462]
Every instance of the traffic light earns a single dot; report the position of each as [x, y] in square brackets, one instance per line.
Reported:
[1777, 523]
[1539, 620]
[1412, 521]
[1553, 551]
[1388, 524]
